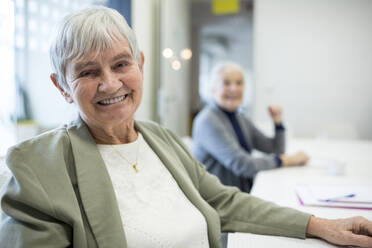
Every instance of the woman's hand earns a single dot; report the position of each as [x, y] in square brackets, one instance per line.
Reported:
[276, 113]
[356, 231]
[298, 158]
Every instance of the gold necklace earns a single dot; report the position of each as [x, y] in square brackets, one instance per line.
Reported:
[134, 166]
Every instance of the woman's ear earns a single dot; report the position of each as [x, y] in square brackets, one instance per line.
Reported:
[65, 94]
[142, 61]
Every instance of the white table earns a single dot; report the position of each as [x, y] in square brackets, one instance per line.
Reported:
[4, 176]
[278, 186]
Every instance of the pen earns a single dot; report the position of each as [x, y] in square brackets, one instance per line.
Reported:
[334, 199]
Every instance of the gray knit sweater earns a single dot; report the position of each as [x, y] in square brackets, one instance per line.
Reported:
[216, 145]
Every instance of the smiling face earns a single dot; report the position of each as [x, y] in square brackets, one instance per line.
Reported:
[228, 92]
[106, 88]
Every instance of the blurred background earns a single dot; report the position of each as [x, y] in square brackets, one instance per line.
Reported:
[314, 57]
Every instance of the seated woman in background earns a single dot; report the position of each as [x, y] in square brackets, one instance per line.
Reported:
[224, 138]
[106, 180]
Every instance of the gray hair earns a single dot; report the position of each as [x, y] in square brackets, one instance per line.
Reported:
[91, 29]
[216, 77]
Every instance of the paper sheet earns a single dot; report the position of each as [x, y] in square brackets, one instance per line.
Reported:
[344, 196]
[247, 240]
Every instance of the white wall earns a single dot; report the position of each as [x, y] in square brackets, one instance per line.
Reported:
[315, 58]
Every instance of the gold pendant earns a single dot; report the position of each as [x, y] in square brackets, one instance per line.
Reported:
[135, 167]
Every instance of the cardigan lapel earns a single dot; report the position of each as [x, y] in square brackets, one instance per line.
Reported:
[226, 122]
[169, 157]
[95, 188]
[230, 129]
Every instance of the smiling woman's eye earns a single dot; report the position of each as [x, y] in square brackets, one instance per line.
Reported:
[85, 73]
[88, 73]
[121, 64]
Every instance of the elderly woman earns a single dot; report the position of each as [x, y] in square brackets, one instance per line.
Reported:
[224, 138]
[107, 180]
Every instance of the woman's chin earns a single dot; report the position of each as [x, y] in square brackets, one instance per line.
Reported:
[233, 107]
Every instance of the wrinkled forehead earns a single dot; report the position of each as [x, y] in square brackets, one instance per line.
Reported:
[119, 49]
[105, 49]
[97, 46]
[232, 72]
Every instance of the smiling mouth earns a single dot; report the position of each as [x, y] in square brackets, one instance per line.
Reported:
[232, 97]
[113, 100]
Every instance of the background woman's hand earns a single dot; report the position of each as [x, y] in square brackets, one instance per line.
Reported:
[276, 113]
[356, 231]
[298, 158]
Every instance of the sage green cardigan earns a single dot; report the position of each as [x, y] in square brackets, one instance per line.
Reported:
[61, 195]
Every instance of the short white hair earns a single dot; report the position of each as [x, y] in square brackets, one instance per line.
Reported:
[91, 29]
[216, 76]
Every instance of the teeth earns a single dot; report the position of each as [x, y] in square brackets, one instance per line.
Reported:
[113, 100]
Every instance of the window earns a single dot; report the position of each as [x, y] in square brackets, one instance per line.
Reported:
[7, 92]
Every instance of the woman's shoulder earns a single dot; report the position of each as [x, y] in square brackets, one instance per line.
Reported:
[211, 118]
[150, 129]
[209, 113]
[147, 123]
[42, 143]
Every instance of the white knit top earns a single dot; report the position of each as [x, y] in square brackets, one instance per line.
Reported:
[154, 210]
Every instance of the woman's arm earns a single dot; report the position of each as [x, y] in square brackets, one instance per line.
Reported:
[241, 212]
[264, 143]
[238, 211]
[277, 143]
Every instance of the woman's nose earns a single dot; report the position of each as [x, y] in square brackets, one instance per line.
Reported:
[110, 83]
[233, 87]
